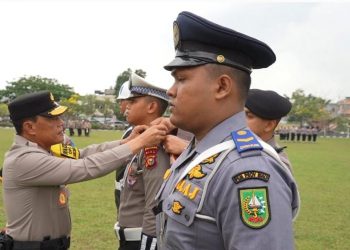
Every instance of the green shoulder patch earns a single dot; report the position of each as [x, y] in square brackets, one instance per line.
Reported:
[254, 206]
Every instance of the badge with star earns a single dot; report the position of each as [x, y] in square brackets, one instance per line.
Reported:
[254, 207]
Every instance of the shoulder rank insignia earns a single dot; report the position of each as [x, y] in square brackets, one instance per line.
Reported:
[151, 157]
[247, 175]
[254, 206]
[65, 151]
[196, 173]
[177, 207]
[245, 140]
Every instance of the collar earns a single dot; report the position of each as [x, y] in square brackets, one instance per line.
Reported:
[222, 131]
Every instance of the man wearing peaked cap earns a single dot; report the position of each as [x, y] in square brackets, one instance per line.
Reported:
[264, 109]
[228, 189]
[136, 226]
[36, 198]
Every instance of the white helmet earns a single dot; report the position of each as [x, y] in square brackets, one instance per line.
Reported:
[124, 92]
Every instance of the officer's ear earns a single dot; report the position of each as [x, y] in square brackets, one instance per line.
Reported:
[270, 125]
[152, 105]
[223, 88]
[28, 126]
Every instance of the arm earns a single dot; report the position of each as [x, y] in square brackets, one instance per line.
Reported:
[230, 202]
[36, 167]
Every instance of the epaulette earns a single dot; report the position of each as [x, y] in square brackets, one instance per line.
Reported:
[65, 151]
[245, 141]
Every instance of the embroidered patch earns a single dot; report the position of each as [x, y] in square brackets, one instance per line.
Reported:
[254, 207]
[245, 141]
[151, 157]
[196, 173]
[247, 175]
[187, 189]
[210, 159]
[177, 207]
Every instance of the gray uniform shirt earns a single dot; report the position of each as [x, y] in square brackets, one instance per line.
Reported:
[34, 191]
[142, 180]
[283, 155]
[219, 224]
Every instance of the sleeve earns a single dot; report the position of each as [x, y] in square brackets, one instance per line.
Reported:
[36, 168]
[95, 148]
[252, 204]
[153, 179]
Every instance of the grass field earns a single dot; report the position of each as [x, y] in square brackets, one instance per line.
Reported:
[322, 171]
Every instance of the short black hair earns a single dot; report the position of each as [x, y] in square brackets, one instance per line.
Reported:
[241, 77]
[162, 104]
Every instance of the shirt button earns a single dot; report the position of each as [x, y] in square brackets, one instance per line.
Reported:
[187, 217]
[168, 206]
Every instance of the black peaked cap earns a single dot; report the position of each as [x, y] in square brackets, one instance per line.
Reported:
[32, 104]
[199, 41]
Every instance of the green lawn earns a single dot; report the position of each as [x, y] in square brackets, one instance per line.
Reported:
[322, 171]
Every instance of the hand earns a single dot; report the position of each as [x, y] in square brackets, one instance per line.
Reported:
[165, 121]
[150, 137]
[136, 131]
[174, 145]
[154, 135]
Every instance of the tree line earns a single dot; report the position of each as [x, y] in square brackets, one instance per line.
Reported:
[306, 109]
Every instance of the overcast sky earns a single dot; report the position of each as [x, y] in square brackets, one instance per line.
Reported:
[87, 44]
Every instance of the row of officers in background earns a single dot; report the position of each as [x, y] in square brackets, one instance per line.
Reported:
[294, 133]
[80, 125]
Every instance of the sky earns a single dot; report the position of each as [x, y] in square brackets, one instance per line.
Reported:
[86, 44]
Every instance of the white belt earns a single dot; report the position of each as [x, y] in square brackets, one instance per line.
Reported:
[118, 186]
[131, 234]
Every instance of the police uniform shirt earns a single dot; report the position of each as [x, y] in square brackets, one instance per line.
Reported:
[142, 180]
[35, 197]
[283, 155]
[219, 225]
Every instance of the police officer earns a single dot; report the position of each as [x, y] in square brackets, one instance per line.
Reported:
[227, 190]
[143, 176]
[264, 109]
[35, 195]
[123, 96]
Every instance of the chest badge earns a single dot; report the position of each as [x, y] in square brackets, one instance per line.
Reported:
[196, 173]
[210, 159]
[151, 157]
[177, 207]
[255, 207]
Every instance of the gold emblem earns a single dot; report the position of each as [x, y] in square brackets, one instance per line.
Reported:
[51, 97]
[167, 174]
[210, 159]
[176, 34]
[245, 139]
[177, 207]
[241, 132]
[220, 58]
[196, 173]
